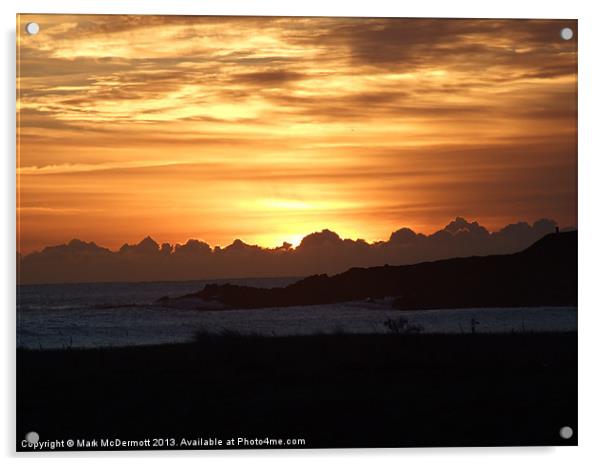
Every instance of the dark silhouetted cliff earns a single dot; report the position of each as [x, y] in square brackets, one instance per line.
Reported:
[544, 274]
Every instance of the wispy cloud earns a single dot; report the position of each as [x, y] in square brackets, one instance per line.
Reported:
[82, 167]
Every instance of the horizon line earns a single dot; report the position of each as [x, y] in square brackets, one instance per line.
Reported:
[291, 246]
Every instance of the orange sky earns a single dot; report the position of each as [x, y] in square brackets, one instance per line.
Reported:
[267, 129]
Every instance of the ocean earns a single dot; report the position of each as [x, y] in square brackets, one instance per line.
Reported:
[124, 314]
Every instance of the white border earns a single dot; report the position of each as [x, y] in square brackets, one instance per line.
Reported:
[590, 224]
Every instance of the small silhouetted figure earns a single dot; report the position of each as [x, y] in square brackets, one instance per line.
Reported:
[473, 325]
[557, 230]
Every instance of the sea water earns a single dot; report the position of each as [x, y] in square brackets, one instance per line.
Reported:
[123, 314]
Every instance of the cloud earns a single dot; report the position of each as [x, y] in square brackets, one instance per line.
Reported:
[75, 247]
[403, 119]
[320, 252]
[339, 62]
[147, 246]
[325, 238]
[192, 248]
[269, 78]
[80, 167]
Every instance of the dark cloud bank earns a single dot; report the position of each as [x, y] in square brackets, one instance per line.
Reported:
[321, 252]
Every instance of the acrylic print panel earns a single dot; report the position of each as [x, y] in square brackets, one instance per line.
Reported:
[265, 232]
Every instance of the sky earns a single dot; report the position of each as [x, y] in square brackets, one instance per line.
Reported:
[268, 129]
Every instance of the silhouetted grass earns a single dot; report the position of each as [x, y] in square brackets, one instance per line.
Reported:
[333, 390]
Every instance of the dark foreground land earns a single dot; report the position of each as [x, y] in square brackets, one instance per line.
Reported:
[330, 390]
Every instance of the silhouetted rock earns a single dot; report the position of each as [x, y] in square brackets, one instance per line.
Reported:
[544, 274]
